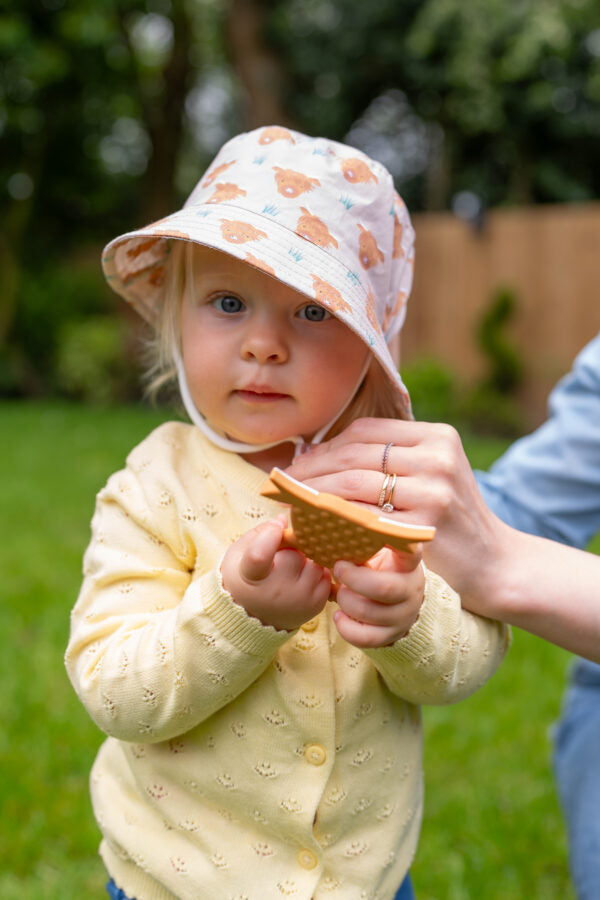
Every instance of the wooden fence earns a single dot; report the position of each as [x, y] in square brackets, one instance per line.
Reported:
[548, 256]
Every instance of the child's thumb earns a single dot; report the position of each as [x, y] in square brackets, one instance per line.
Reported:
[263, 544]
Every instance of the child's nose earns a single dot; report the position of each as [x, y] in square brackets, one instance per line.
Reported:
[264, 342]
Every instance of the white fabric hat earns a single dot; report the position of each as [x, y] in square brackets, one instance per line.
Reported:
[317, 215]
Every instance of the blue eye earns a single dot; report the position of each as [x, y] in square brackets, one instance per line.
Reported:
[312, 312]
[228, 304]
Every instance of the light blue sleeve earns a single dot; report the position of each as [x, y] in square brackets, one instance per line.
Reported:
[548, 483]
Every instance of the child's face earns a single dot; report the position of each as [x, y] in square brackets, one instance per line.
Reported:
[262, 361]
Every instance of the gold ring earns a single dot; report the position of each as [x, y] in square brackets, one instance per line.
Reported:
[387, 505]
[386, 453]
[383, 491]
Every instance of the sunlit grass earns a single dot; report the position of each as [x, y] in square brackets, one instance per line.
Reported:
[492, 828]
[54, 458]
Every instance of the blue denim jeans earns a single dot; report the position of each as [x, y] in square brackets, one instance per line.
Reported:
[405, 892]
[116, 893]
[577, 768]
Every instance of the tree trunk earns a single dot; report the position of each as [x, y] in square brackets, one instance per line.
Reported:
[437, 176]
[164, 121]
[261, 72]
[11, 240]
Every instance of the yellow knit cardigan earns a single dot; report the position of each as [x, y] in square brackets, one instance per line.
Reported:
[245, 763]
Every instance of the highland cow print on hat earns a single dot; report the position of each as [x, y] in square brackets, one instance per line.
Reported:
[319, 216]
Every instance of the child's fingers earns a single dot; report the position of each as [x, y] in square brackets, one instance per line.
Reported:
[364, 635]
[382, 585]
[301, 572]
[394, 560]
[261, 545]
[377, 605]
[322, 589]
[363, 609]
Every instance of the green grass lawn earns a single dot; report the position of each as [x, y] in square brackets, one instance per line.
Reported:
[492, 828]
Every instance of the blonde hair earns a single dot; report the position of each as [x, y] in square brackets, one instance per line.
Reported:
[161, 369]
[376, 397]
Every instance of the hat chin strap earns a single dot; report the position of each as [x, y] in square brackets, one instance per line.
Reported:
[239, 446]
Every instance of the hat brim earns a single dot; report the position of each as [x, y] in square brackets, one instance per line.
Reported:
[134, 265]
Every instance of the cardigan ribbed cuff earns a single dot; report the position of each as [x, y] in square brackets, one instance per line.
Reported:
[245, 632]
[417, 643]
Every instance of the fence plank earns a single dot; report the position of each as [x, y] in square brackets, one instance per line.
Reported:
[549, 256]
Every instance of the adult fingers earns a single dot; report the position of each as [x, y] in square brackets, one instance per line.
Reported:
[379, 431]
[416, 500]
[363, 441]
[429, 449]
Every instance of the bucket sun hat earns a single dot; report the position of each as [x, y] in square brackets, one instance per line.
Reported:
[320, 216]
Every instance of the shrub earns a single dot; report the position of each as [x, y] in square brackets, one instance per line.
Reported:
[439, 395]
[505, 368]
[93, 363]
[433, 388]
[486, 411]
[49, 297]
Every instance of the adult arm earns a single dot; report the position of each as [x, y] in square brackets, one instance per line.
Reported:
[542, 586]
[548, 483]
[533, 583]
[538, 585]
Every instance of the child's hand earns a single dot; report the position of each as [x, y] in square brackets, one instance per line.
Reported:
[381, 600]
[281, 587]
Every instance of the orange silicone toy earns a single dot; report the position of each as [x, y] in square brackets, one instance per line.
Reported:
[327, 528]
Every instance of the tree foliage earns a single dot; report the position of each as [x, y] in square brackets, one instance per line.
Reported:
[500, 98]
[95, 100]
[110, 109]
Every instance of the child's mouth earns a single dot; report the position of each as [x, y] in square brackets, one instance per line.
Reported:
[260, 396]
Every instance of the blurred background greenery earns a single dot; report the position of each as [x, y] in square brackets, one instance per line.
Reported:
[109, 112]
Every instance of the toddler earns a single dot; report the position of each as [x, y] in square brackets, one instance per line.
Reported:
[262, 742]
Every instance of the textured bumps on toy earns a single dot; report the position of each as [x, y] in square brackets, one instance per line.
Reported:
[327, 528]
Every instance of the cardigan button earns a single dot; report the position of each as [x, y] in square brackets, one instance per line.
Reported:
[315, 754]
[311, 625]
[307, 859]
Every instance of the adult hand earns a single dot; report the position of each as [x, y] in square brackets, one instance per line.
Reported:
[536, 584]
[435, 486]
